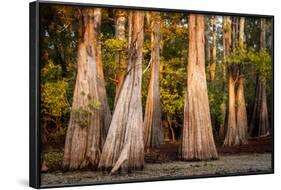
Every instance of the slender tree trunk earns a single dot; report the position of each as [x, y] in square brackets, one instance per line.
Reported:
[241, 114]
[153, 131]
[259, 124]
[241, 32]
[214, 51]
[85, 134]
[263, 114]
[124, 146]
[237, 114]
[226, 48]
[100, 76]
[120, 34]
[207, 43]
[197, 139]
[232, 135]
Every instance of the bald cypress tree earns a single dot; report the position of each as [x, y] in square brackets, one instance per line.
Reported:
[197, 138]
[124, 146]
[90, 112]
[153, 131]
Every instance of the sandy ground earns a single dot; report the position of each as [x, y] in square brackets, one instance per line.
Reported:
[228, 164]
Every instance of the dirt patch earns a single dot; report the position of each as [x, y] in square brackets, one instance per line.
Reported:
[227, 164]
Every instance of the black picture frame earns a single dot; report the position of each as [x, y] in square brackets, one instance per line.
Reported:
[34, 91]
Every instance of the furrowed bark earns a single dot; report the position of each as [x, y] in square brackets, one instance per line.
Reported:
[232, 135]
[84, 139]
[124, 146]
[214, 51]
[100, 76]
[237, 115]
[153, 131]
[120, 31]
[197, 138]
[241, 113]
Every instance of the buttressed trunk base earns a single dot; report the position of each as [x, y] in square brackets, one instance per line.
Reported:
[87, 129]
[197, 139]
[124, 146]
[153, 131]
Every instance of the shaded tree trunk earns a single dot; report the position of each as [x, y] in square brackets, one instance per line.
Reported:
[153, 131]
[124, 146]
[241, 113]
[197, 138]
[214, 51]
[259, 124]
[207, 43]
[232, 135]
[226, 48]
[120, 35]
[100, 76]
[86, 129]
[237, 114]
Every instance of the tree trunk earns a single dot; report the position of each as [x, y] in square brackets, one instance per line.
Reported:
[120, 34]
[207, 43]
[232, 135]
[214, 51]
[100, 76]
[241, 32]
[153, 131]
[259, 121]
[124, 147]
[259, 125]
[197, 139]
[237, 114]
[86, 129]
[241, 114]
[226, 45]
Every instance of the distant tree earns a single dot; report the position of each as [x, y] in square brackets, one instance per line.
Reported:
[241, 112]
[124, 145]
[106, 114]
[120, 31]
[214, 50]
[231, 137]
[197, 138]
[236, 133]
[259, 124]
[153, 131]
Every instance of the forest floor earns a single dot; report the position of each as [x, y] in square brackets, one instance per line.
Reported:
[164, 163]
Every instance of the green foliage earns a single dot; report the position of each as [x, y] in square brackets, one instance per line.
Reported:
[172, 87]
[51, 157]
[51, 72]
[116, 45]
[263, 62]
[53, 99]
[237, 55]
[245, 56]
[95, 104]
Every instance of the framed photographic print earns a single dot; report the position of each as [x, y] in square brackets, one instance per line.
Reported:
[131, 94]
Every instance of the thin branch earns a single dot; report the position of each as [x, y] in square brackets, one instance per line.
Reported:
[147, 66]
